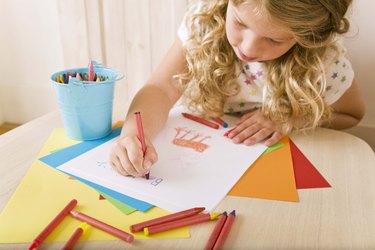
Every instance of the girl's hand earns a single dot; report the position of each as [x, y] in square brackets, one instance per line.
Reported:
[253, 127]
[127, 158]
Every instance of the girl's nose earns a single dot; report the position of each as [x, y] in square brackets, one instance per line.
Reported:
[251, 45]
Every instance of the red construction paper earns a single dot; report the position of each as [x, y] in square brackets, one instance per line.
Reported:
[306, 175]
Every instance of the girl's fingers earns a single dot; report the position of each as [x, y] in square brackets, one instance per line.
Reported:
[126, 164]
[245, 132]
[276, 136]
[127, 157]
[245, 117]
[259, 136]
[239, 131]
[150, 157]
[116, 164]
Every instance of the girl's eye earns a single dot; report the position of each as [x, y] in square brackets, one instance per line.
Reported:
[238, 23]
[274, 41]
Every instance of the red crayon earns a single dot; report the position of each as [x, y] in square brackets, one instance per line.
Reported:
[103, 226]
[91, 72]
[171, 217]
[216, 231]
[141, 136]
[53, 224]
[220, 121]
[200, 120]
[74, 237]
[180, 223]
[225, 231]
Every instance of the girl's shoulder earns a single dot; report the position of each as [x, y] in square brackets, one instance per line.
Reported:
[183, 31]
[339, 74]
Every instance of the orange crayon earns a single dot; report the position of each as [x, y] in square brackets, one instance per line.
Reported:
[171, 217]
[75, 236]
[216, 231]
[225, 231]
[200, 120]
[103, 226]
[220, 121]
[180, 223]
[53, 224]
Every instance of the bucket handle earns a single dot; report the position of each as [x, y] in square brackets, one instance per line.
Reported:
[119, 75]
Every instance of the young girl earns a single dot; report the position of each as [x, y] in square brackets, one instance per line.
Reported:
[279, 63]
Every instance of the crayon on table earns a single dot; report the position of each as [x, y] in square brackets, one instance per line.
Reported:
[216, 231]
[225, 231]
[180, 223]
[141, 136]
[220, 121]
[75, 236]
[56, 221]
[103, 226]
[171, 217]
[200, 120]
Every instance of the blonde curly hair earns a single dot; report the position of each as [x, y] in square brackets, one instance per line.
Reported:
[296, 80]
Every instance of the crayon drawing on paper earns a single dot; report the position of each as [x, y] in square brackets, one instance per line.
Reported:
[194, 160]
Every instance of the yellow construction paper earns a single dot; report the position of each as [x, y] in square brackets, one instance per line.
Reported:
[44, 191]
[270, 177]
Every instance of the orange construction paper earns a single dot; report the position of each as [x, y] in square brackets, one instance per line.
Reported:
[270, 177]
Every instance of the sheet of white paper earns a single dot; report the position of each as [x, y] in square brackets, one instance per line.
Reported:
[197, 166]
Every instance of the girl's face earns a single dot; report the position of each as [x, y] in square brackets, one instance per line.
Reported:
[256, 37]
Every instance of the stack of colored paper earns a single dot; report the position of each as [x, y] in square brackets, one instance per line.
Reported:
[276, 174]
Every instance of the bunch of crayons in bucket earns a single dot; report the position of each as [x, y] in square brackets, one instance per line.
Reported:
[183, 218]
[90, 76]
[64, 78]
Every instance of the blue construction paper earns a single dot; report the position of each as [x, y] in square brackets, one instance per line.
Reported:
[60, 157]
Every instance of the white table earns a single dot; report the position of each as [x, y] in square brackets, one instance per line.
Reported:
[341, 217]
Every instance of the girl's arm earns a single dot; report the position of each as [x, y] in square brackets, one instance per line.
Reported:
[253, 127]
[348, 110]
[154, 101]
[159, 94]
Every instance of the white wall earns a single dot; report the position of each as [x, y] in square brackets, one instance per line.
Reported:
[360, 44]
[51, 35]
[30, 52]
